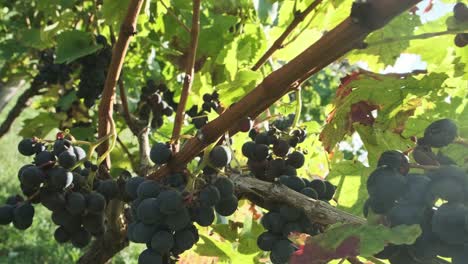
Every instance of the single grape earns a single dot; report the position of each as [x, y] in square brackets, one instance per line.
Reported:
[225, 186]
[209, 196]
[296, 159]
[267, 240]
[61, 235]
[178, 220]
[170, 201]
[227, 205]
[149, 256]
[220, 156]
[108, 188]
[148, 189]
[131, 186]
[6, 214]
[26, 147]
[160, 153]
[282, 251]
[95, 202]
[184, 239]
[281, 148]
[204, 216]
[75, 203]
[81, 238]
[162, 242]
[440, 133]
[67, 159]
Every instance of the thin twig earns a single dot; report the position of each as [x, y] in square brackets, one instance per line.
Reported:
[298, 18]
[300, 31]
[386, 41]
[461, 141]
[354, 260]
[175, 17]
[124, 99]
[424, 167]
[127, 152]
[127, 30]
[189, 72]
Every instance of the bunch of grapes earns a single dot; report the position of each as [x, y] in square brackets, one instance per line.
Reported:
[51, 73]
[57, 180]
[164, 212]
[271, 153]
[460, 12]
[93, 72]
[210, 102]
[435, 200]
[272, 157]
[153, 105]
[283, 219]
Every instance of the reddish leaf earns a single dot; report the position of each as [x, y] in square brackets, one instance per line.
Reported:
[313, 253]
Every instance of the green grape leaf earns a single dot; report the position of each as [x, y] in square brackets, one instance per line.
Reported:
[394, 99]
[248, 236]
[350, 177]
[74, 44]
[41, 125]
[114, 11]
[387, 43]
[35, 38]
[226, 231]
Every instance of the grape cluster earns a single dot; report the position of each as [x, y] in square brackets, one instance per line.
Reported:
[435, 200]
[153, 104]
[57, 181]
[51, 73]
[200, 118]
[93, 72]
[164, 213]
[270, 154]
[283, 219]
[460, 12]
[272, 157]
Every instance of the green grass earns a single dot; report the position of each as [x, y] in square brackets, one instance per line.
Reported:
[36, 244]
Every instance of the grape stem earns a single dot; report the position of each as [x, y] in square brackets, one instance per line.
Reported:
[424, 167]
[297, 116]
[34, 195]
[387, 41]
[461, 141]
[205, 161]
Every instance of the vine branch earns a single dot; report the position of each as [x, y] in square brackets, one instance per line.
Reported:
[127, 30]
[278, 44]
[386, 41]
[114, 239]
[342, 39]
[317, 211]
[189, 72]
